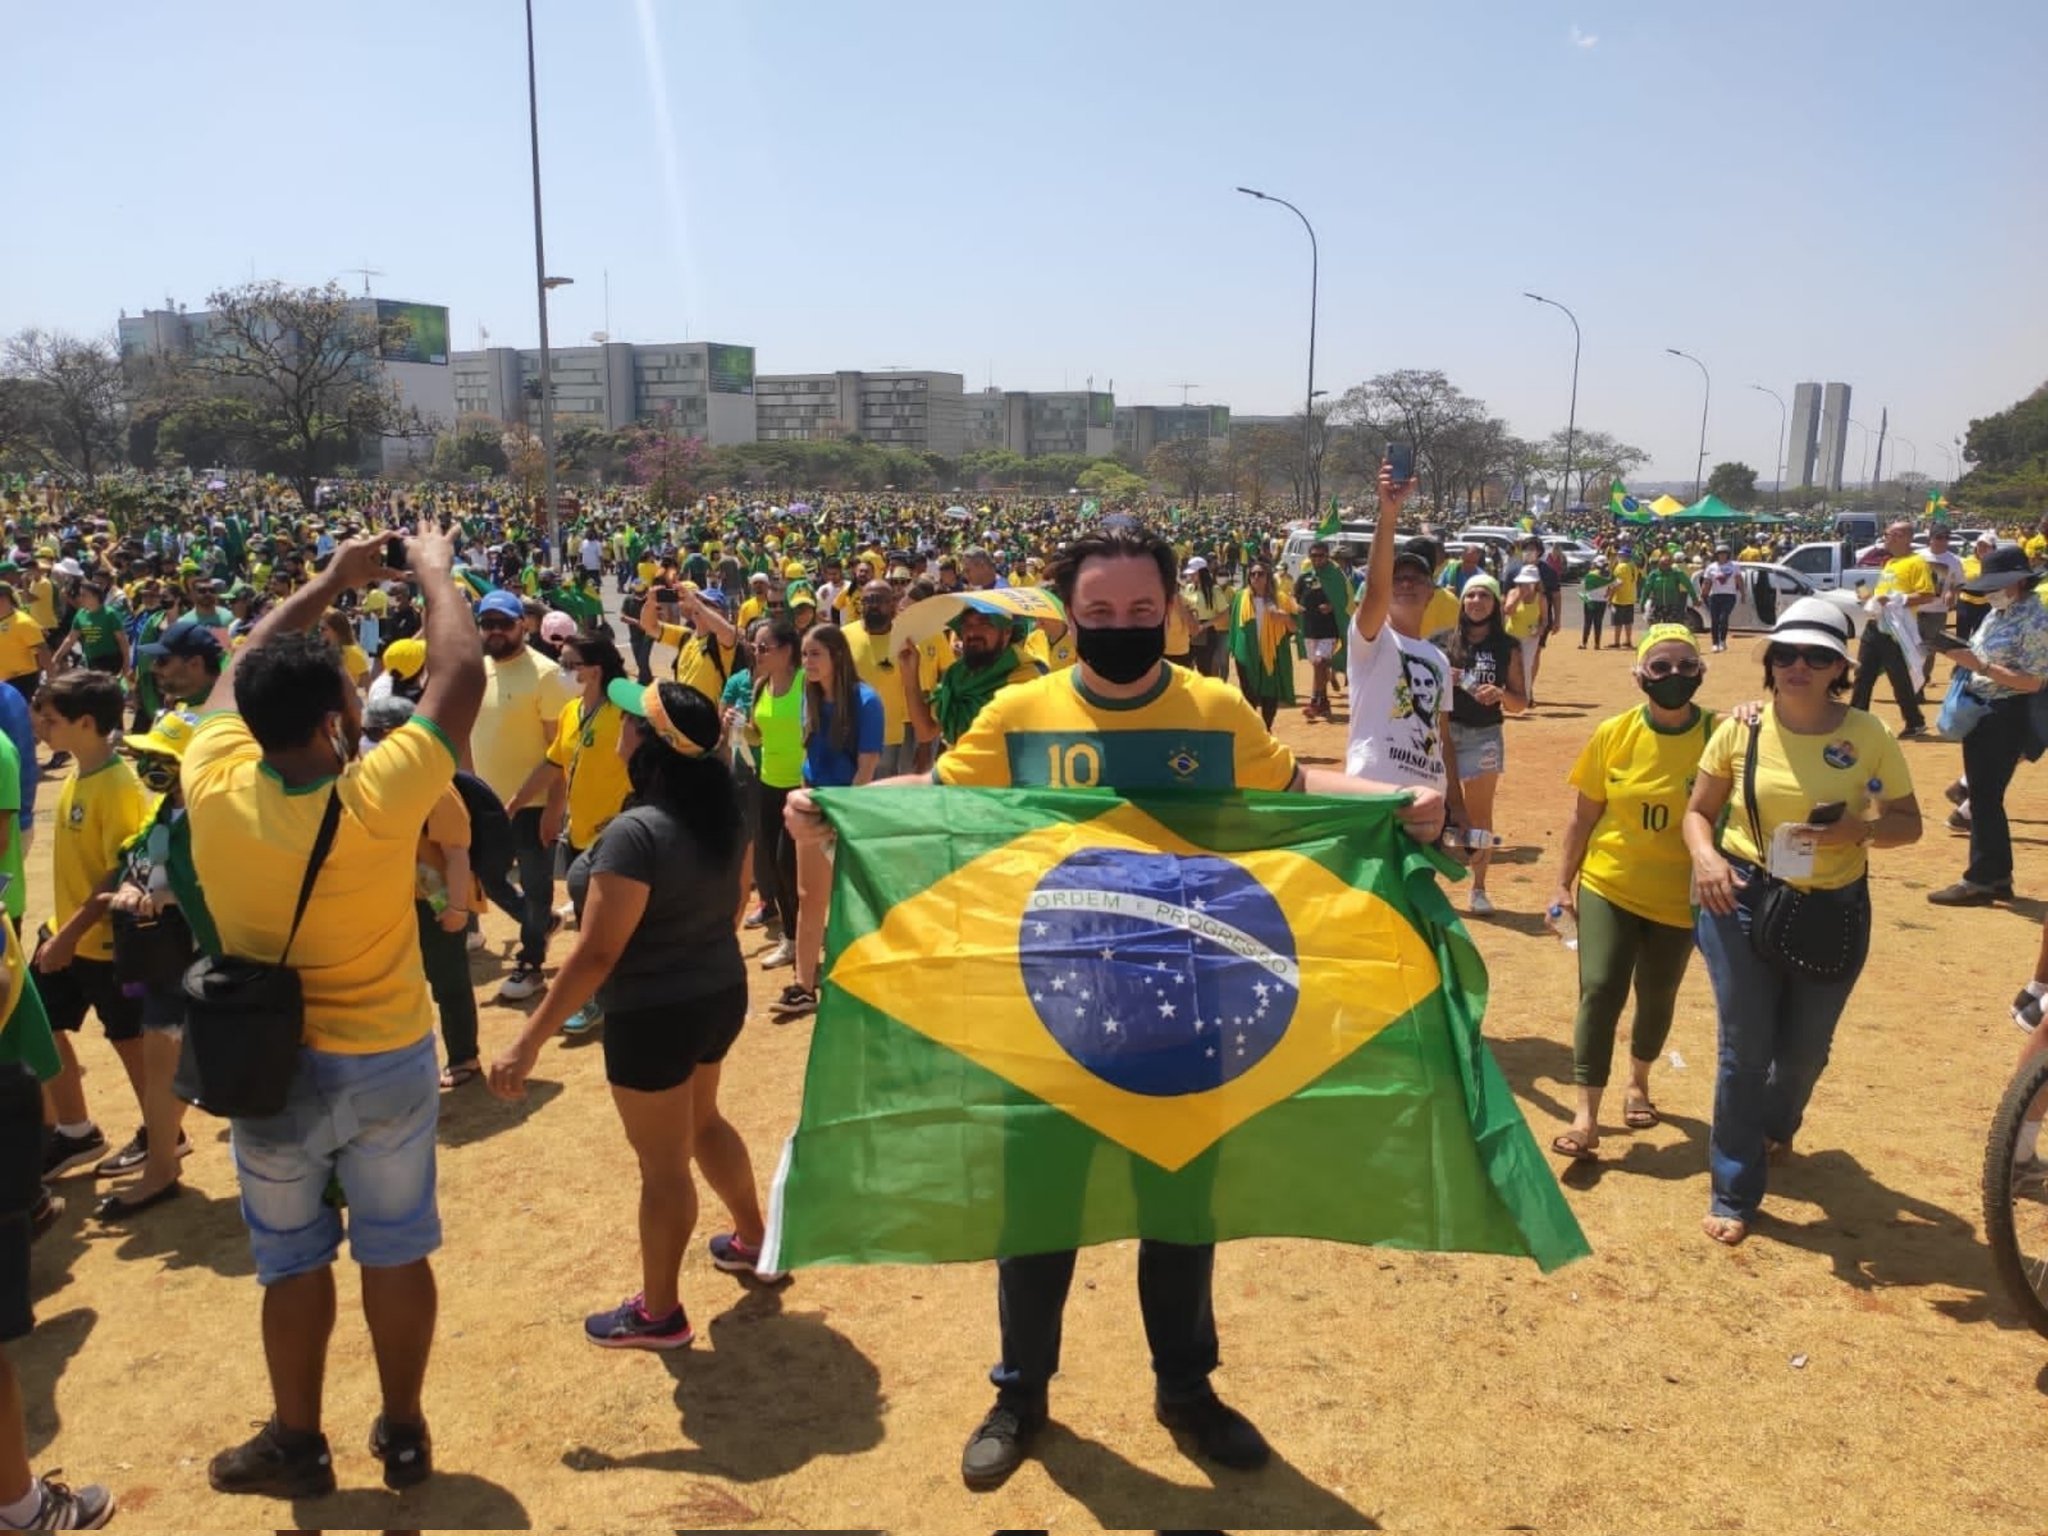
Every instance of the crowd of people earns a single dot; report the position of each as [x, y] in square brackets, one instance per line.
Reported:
[327, 741]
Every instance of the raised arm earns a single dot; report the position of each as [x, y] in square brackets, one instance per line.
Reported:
[455, 650]
[1378, 595]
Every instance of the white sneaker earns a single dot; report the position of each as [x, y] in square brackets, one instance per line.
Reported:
[519, 986]
[476, 940]
[781, 954]
[1480, 905]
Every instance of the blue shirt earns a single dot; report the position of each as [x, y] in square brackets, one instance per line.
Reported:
[824, 766]
[14, 721]
[2015, 637]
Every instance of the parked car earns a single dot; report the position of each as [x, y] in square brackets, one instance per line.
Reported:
[1767, 588]
[1827, 567]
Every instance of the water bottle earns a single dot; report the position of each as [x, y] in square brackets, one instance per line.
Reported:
[1564, 924]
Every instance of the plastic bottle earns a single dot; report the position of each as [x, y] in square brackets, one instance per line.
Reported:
[1564, 924]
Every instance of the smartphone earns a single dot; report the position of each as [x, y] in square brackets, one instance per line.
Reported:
[1401, 462]
[394, 553]
[1826, 815]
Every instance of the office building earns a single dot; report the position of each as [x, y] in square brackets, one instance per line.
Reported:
[1834, 435]
[898, 408]
[1032, 423]
[700, 388]
[1803, 445]
[1141, 428]
[412, 359]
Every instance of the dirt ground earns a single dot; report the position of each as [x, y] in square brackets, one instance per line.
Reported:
[1851, 1367]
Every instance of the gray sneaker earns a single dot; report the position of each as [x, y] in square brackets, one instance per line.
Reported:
[68, 1509]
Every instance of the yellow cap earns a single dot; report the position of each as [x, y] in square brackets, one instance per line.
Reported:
[1658, 634]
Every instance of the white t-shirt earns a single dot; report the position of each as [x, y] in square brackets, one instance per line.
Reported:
[1721, 579]
[1948, 580]
[593, 554]
[1399, 687]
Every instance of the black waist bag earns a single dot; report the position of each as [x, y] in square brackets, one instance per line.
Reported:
[1823, 935]
[152, 952]
[245, 1020]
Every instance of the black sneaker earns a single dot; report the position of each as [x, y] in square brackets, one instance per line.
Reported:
[131, 1157]
[279, 1462]
[406, 1450]
[796, 1000]
[67, 1509]
[998, 1447]
[1220, 1432]
[63, 1151]
[47, 1209]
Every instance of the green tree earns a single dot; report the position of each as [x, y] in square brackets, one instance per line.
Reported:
[477, 443]
[1186, 466]
[1735, 484]
[1108, 480]
[70, 401]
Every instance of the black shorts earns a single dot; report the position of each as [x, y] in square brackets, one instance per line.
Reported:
[652, 1050]
[89, 986]
[21, 1183]
[1624, 613]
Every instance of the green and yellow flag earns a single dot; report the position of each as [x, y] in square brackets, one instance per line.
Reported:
[1332, 524]
[1056, 1018]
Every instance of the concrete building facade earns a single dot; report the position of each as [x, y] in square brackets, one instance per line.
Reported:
[1803, 446]
[1834, 435]
[913, 409]
[1033, 423]
[1141, 428]
[702, 388]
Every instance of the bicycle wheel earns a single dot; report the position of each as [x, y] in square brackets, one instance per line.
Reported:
[2016, 1201]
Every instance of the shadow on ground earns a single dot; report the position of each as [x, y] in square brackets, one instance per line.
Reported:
[1124, 1497]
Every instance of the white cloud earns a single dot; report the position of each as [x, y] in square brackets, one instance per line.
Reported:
[1584, 39]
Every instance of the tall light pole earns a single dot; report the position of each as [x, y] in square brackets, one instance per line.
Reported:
[1955, 465]
[1900, 437]
[1706, 395]
[541, 284]
[1778, 497]
[1866, 450]
[1310, 486]
[1571, 420]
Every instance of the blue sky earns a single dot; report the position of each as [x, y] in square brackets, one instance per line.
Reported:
[1041, 193]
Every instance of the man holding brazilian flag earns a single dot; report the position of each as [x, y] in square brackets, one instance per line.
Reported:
[1096, 990]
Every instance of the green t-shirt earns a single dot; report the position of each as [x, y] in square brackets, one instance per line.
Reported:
[16, 895]
[98, 631]
[25, 1038]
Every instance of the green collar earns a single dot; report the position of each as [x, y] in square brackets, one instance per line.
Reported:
[1673, 730]
[1139, 701]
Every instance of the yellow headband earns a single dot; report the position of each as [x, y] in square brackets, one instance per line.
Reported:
[665, 728]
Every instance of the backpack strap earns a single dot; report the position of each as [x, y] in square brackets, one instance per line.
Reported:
[323, 844]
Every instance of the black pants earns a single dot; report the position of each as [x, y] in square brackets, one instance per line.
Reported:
[775, 857]
[444, 956]
[643, 653]
[1968, 617]
[1173, 1297]
[1879, 652]
[21, 1181]
[533, 900]
[1990, 754]
[1591, 617]
[1720, 609]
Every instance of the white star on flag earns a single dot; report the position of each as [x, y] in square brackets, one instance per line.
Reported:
[1059, 983]
[1166, 1010]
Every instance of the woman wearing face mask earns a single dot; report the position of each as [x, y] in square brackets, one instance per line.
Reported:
[1486, 683]
[1625, 878]
[2008, 663]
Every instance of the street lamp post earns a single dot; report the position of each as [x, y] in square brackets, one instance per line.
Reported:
[1955, 466]
[1706, 396]
[1778, 499]
[1311, 489]
[542, 283]
[1571, 420]
[1865, 472]
[1900, 437]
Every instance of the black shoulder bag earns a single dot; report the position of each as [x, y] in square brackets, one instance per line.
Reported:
[245, 1020]
[1820, 934]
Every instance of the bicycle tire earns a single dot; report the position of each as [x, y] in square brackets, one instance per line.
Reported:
[2028, 1291]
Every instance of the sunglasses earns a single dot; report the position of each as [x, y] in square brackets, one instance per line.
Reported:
[1814, 656]
[1685, 668]
[497, 621]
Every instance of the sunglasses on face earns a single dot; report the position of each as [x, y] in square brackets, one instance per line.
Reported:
[497, 621]
[1814, 656]
[1686, 668]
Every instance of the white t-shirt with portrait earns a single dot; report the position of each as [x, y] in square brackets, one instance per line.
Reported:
[1399, 687]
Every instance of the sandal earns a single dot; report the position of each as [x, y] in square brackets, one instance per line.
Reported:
[1576, 1147]
[1641, 1115]
[1725, 1230]
[120, 1206]
[456, 1077]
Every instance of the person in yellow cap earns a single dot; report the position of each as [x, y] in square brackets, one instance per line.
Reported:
[1623, 890]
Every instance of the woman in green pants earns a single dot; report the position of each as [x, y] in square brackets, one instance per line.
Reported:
[1626, 878]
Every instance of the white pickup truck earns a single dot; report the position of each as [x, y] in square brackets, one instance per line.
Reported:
[1833, 567]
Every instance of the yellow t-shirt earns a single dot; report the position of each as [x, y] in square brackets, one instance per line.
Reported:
[1521, 620]
[1189, 732]
[358, 951]
[1973, 567]
[523, 701]
[751, 611]
[355, 664]
[874, 658]
[588, 752]
[2036, 548]
[702, 662]
[934, 656]
[1623, 594]
[1178, 642]
[1053, 655]
[1859, 763]
[19, 637]
[98, 813]
[42, 603]
[1907, 576]
[447, 827]
[1442, 612]
[1643, 775]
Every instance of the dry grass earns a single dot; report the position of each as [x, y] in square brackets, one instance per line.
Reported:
[1849, 1367]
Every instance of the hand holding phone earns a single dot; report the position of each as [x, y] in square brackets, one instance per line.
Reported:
[1400, 463]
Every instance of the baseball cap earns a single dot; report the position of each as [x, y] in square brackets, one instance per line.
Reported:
[404, 658]
[557, 627]
[502, 603]
[168, 736]
[1657, 634]
[187, 637]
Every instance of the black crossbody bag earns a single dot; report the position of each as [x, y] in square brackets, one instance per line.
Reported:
[245, 1020]
[1820, 934]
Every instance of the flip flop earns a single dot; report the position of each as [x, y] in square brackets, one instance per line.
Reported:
[121, 1207]
[456, 1077]
[1640, 1117]
[1725, 1230]
[1570, 1144]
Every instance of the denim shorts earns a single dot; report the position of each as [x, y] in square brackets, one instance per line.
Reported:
[368, 1120]
[1480, 749]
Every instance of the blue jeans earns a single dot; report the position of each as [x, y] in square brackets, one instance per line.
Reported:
[1775, 1029]
[1720, 609]
[534, 899]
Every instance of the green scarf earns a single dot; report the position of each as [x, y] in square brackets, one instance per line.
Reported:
[963, 690]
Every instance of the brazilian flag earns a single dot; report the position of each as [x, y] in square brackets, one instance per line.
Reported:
[1053, 1018]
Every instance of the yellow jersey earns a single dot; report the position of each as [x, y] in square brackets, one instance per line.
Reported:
[1442, 612]
[1623, 593]
[98, 814]
[1859, 763]
[586, 749]
[358, 951]
[1187, 732]
[42, 603]
[702, 661]
[874, 658]
[19, 637]
[1907, 576]
[1641, 773]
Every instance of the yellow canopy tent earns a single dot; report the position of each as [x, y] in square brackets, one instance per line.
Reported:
[1667, 504]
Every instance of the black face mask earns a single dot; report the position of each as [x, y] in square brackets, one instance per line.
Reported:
[1123, 655]
[1674, 690]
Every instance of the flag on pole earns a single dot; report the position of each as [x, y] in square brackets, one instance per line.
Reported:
[1331, 525]
[1054, 1018]
[1620, 503]
[1937, 506]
